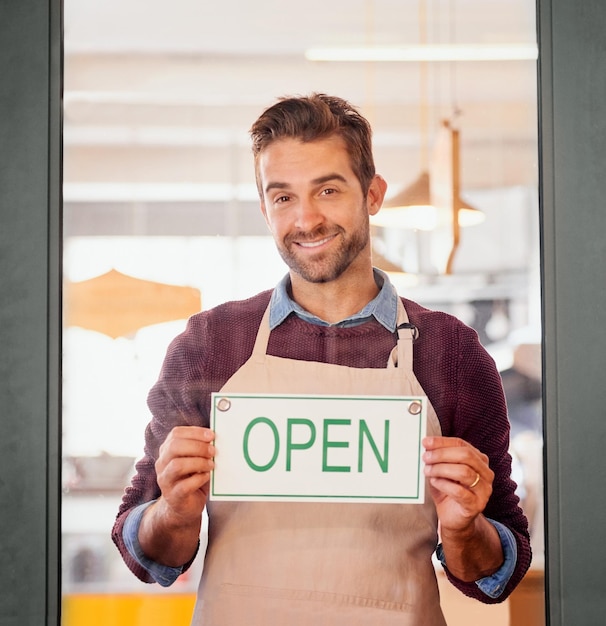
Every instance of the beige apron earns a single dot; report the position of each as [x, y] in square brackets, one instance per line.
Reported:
[294, 564]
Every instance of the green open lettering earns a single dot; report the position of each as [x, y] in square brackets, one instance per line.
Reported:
[274, 429]
[333, 444]
[364, 431]
[290, 445]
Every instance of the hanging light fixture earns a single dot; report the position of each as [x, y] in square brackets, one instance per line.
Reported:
[412, 208]
[432, 199]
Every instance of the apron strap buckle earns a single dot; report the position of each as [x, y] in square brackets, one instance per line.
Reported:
[412, 327]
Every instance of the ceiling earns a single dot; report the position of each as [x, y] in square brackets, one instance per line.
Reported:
[159, 96]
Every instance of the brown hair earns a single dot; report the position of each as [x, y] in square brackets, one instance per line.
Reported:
[317, 116]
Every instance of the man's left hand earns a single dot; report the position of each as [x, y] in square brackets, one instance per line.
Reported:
[460, 481]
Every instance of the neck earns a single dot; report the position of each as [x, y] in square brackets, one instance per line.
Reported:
[335, 300]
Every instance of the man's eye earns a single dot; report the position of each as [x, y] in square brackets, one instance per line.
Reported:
[328, 191]
[281, 199]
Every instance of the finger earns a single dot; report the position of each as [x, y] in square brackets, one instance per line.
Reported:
[466, 502]
[453, 445]
[185, 447]
[457, 456]
[184, 485]
[454, 450]
[181, 467]
[464, 475]
[180, 458]
[183, 478]
[192, 432]
[436, 442]
[187, 497]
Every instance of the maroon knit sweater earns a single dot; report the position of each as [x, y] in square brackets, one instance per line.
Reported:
[455, 371]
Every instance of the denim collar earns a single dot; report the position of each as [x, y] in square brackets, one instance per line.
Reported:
[384, 307]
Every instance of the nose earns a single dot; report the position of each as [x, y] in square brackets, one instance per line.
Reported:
[309, 215]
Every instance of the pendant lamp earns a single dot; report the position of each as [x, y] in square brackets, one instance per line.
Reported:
[412, 208]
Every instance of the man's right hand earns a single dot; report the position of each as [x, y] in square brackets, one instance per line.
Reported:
[183, 470]
[170, 528]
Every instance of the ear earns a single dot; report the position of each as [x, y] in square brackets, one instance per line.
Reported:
[376, 193]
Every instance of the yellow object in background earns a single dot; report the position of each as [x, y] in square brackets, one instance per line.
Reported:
[128, 609]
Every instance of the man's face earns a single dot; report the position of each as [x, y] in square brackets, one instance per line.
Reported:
[314, 206]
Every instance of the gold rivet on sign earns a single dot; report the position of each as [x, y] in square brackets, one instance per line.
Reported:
[224, 404]
[414, 408]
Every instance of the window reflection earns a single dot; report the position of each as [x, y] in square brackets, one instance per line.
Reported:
[159, 187]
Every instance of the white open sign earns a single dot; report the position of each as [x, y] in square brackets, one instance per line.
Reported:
[318, 448]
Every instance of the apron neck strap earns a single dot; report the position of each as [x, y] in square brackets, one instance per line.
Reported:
[406, 333]
[260, 347]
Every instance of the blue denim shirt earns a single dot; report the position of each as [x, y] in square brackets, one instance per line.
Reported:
[384, 309]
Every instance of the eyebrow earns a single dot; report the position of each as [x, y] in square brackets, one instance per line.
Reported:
[316, 181]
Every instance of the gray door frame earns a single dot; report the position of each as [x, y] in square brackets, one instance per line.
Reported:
[572, 113]
[30, 313]
[572, 147]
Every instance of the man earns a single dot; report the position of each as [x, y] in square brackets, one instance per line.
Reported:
[334, 325]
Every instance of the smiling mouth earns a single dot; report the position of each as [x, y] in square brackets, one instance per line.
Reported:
[314, 244]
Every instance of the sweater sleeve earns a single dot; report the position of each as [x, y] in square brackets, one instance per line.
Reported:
[173, 401]
[196, 363]
[480, 418]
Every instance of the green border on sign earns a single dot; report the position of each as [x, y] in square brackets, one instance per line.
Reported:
[295, 498]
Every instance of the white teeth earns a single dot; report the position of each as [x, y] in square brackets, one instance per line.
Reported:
[313, 244]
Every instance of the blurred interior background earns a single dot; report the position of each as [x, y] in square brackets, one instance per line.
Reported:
[161, 214]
